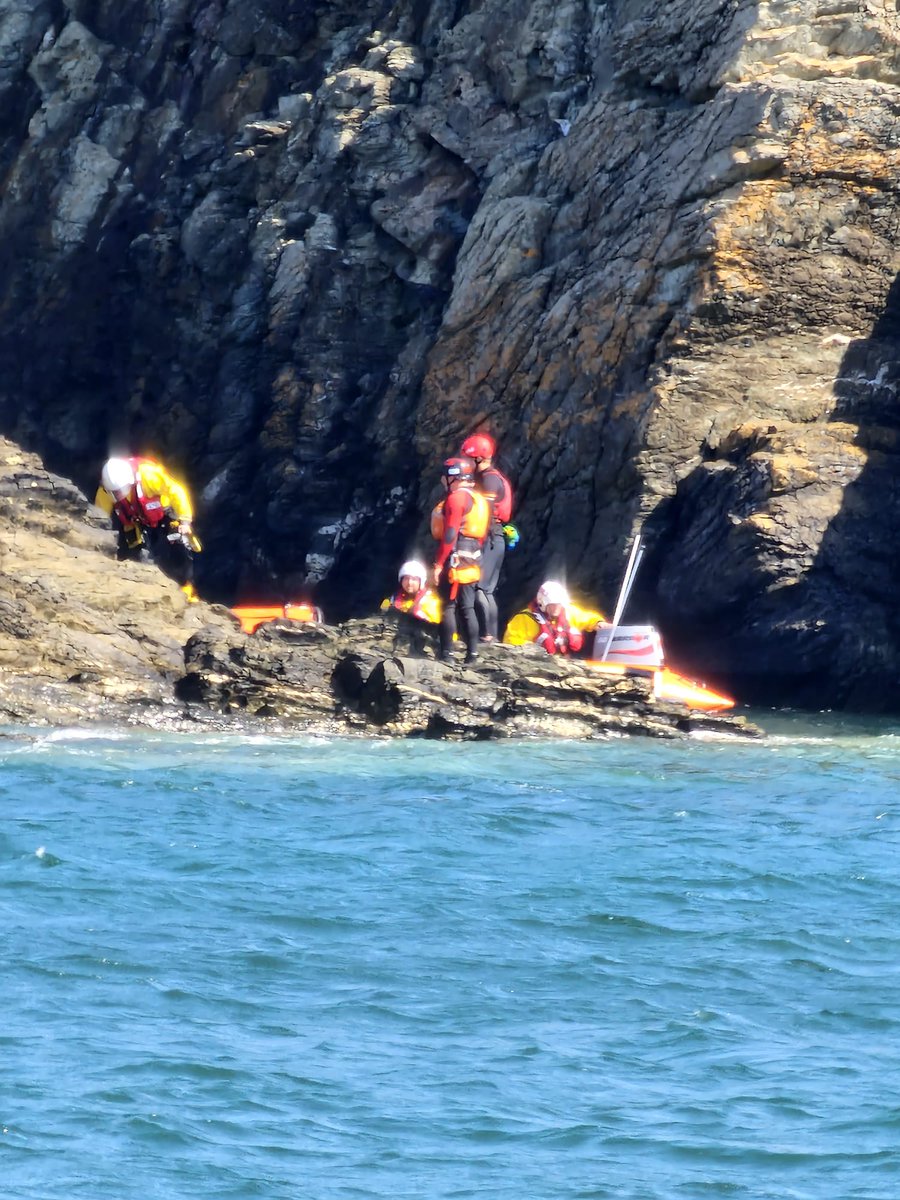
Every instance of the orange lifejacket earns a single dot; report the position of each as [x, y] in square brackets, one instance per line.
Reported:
[475, 524]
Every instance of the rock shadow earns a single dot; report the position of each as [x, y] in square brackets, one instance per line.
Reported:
[850, 593]
[779, 573]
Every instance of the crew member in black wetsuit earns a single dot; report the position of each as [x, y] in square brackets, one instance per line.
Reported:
[491, 482]
[459, 525]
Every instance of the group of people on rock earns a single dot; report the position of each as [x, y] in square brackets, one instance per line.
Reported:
[471, 528]
[455, 594]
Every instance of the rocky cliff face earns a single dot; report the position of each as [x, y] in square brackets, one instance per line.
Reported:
[299, 249]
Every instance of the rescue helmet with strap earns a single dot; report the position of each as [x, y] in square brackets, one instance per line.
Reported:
[117, 476]
[459, 468]
[415, 570]
[479, 445]
[552, 592]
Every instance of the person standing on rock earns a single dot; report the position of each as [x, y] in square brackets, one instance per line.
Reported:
[459, 524]
[152, 513]
[493, 484]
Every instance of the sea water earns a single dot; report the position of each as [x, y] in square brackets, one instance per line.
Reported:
[328, 969]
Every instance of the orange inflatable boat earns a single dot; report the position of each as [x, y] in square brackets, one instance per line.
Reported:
[669, 685]
[251, 616]
[638, 650]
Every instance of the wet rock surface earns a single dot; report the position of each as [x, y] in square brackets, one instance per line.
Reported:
[82, 636]
[86, 639]
[376, 676]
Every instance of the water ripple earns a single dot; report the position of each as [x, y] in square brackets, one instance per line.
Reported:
[265, 967]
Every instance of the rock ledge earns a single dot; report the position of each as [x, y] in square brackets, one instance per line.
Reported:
[85, 640]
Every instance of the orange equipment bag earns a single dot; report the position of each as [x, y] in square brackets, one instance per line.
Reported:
[465, 573]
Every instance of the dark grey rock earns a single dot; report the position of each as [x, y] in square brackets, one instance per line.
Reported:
[299, 249]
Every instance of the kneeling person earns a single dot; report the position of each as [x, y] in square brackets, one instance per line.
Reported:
[552, 621]
[413, 596]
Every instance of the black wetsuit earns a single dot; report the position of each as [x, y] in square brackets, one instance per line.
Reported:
[493, 484]
[175, 558]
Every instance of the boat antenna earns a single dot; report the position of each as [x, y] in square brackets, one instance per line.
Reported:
[634, 561]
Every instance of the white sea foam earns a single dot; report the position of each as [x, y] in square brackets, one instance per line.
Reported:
[76, 734]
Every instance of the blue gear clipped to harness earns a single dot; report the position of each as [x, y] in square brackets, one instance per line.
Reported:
[512, 536]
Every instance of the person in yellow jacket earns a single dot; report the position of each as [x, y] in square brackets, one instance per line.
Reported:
[553, 622]
[413, 595]
[153, 515]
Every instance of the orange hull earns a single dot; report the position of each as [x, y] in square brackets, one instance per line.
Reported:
[669, 685]
[251, 616]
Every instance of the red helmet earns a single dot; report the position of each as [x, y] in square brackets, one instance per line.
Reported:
[479, 445]
[459, 468]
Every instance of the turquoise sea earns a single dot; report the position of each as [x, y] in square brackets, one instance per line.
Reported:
[332, 970]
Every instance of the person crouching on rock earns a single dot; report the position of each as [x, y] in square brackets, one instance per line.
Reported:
[153, 515]
[552, 621]
[413, 596]
[459, 524]
[491, 482]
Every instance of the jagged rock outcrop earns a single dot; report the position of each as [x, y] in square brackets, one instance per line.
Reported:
[82, 637]
[369, 676]
[299, 249]
[85, 639]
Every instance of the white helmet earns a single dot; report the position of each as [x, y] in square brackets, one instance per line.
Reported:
[552, 592]
[117, 475]
[415, 569]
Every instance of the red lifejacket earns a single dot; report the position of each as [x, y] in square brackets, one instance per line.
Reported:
[556, 637]
[494, 484]
[137, 508]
